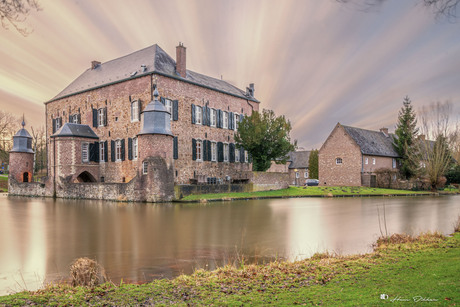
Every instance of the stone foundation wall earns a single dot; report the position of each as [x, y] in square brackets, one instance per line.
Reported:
[265, 181]
[34, 189]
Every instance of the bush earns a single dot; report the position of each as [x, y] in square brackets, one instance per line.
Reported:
[453, 175]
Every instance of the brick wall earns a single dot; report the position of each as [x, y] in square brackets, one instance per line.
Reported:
[20, 163]
[374, 163]
[340, 145]
[264, 181]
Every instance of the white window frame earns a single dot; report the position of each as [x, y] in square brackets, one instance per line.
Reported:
[57, 124]
[118, 150]
[237, 155]
[213, 151]
[168, 106]
[338, 161]
[366, 161]
[74, 118]
[236, 120]
[226, 152]
[199, 150]
[305, 175]
[213, 117]
[297, 175]
[102, 150]
[135, 149]
[85, 152]
[145, 168]
[394, 163]
[225, 119]
[198, 115]
[135, 111]
[246, 156]
[100, 117]
[373, 161]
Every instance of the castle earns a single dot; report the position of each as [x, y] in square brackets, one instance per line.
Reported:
[134, 127]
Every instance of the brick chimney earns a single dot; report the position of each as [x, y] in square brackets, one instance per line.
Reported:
[95, 64]
[384, 131]
[181, 67]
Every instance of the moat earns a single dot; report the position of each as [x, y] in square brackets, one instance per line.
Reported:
[138, 242]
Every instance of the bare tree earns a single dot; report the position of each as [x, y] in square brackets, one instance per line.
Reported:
[14, 12]
[8, 125]
[39, 147]
[441, 8]
[436, 155]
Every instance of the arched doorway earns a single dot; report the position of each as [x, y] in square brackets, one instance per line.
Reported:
[25, 177]
[85, 177]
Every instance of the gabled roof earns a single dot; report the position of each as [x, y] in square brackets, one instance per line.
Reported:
[299, 159]
[155, 60]
[373, 143]
[75, 130]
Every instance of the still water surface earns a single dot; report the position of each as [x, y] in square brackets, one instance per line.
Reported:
[137, 242]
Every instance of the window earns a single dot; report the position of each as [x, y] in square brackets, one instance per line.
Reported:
[198, 115]
[338, 161]
[366, 161]
[199, 150]
[100, 117]
[118, 150]
[168, 106]
[145, 166]
[134, 111]
[85, 152]
[246, 156]
[135, 148]
[213, 117]
[226, 152]
[237, 120]
[225, 120]
[373, 161]
[102, 150]
[394, 163]
[306, 174]
[58, 123]
[213, 151]
[73, 119]
[237, 155]
[297, 175]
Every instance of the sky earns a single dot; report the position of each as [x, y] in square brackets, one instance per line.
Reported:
[315, 62]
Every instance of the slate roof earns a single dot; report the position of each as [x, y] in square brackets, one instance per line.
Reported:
[299, 159]
[156, 60]
[373, 143]
[75, 130]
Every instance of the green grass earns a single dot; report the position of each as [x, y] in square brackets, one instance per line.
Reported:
[400, 266]
[304, 192]
[3, 183]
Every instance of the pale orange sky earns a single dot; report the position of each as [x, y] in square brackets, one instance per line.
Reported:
[317, 62]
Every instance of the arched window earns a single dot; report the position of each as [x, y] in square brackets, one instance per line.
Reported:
[338, 161]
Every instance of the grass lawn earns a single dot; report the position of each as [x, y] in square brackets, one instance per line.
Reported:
[305, 191]
[3, 183]
[402, 270]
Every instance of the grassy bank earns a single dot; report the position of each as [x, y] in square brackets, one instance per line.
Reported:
[401, 268]
[305, 192]
[3, 183]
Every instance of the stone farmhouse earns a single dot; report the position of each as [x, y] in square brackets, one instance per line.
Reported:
[350, 156]
[296, 166]
[105, 126]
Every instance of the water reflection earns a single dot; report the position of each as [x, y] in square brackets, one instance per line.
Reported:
[40, 238]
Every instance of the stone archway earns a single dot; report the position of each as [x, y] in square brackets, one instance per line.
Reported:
[85, 177]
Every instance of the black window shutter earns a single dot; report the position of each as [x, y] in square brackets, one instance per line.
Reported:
[60, 122]
[70, 118]
[209, 151]
[112, 151]
[230, 120]
[241, 117]
[123, 150]
[54, 125]
[162, 100]
[232, 152]
[175, 110]
[242, 155]
[139, 107]
[193, 149]
[94, 152]
[130, 148]
[219, 119]
[193, 113]
[175, 148]
[209, 116]
[205, 150]
[94, 117]
[105, 116]
[91, 152]
[132, 108]
[220, 152]
[106, 152]
[205, 116]
[79, 118]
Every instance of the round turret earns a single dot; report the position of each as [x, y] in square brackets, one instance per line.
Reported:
[22, 156]
[156, 118]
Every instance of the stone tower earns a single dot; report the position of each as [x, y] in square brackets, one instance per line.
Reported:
[22, 156]
[156, 167]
